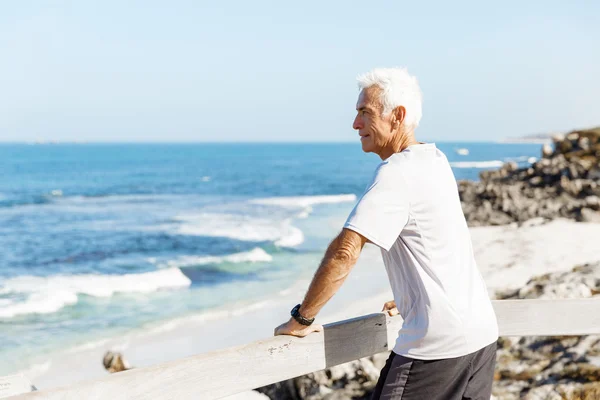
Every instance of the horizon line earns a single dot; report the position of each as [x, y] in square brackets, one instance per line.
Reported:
[79, 142]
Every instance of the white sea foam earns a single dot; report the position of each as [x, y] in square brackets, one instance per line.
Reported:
[116, 198]
[49, 294]
[44, 302]
[477, 164]
[240, 227]
[254, 255]
[292, 238]
[304, 201]
[305, 213]
[256, 228]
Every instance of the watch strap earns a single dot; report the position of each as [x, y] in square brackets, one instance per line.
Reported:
[298, 317]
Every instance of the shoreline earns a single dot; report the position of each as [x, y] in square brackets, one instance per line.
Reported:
[507, 256]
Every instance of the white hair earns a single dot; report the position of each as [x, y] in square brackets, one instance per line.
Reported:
[398, 88]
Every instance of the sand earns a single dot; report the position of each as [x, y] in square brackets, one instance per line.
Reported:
[507, 257]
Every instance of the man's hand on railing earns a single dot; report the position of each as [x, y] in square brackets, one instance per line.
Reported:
[390, 307]
[294, 328]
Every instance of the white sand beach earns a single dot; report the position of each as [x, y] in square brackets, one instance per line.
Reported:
[507, 257]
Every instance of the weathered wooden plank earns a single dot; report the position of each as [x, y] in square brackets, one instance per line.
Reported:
[356, 338]
[221, 373]
[548, 317]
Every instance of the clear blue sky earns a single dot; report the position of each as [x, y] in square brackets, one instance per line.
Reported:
[285, 71]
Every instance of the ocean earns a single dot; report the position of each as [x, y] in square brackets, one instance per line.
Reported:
[101, 239]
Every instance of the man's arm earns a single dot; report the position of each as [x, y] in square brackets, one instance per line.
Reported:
[340, 257]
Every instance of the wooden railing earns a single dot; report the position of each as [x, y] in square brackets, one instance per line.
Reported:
[234, 370]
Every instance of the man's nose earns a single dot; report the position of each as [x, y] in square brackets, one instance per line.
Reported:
[357, 124]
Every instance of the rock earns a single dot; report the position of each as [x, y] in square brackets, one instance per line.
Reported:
[592, 202]
[370, 372]
[534, 222]
[114, 362]
[536, 181]
[589, 215]
[589, 391]
[498, 218]
[546, 392]
[582, 372]
[594, 173]
[280, 390]
[343, 371]
[547, 151]
[510, 166]
[565, 146]
[380, 359]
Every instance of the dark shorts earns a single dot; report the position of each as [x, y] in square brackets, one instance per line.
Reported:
[466, 377]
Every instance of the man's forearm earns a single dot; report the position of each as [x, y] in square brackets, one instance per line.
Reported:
[340, 257]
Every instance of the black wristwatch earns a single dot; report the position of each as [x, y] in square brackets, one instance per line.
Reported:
[296, 315]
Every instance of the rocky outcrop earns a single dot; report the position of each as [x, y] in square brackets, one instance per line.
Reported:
[565, 182]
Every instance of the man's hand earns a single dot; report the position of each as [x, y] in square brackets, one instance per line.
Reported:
[294, 328]
[390, 307]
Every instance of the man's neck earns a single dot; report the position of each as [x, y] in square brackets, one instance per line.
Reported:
[405, 140]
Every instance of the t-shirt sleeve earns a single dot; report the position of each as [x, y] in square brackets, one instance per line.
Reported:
[382, 211]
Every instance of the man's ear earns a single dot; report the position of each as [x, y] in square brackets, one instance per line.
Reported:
[399, 114]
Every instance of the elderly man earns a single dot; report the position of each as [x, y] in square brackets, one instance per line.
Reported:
[446, 348]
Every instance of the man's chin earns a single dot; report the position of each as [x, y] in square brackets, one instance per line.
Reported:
[367, 147]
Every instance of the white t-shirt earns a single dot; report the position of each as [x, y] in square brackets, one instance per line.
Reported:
[412, 210]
